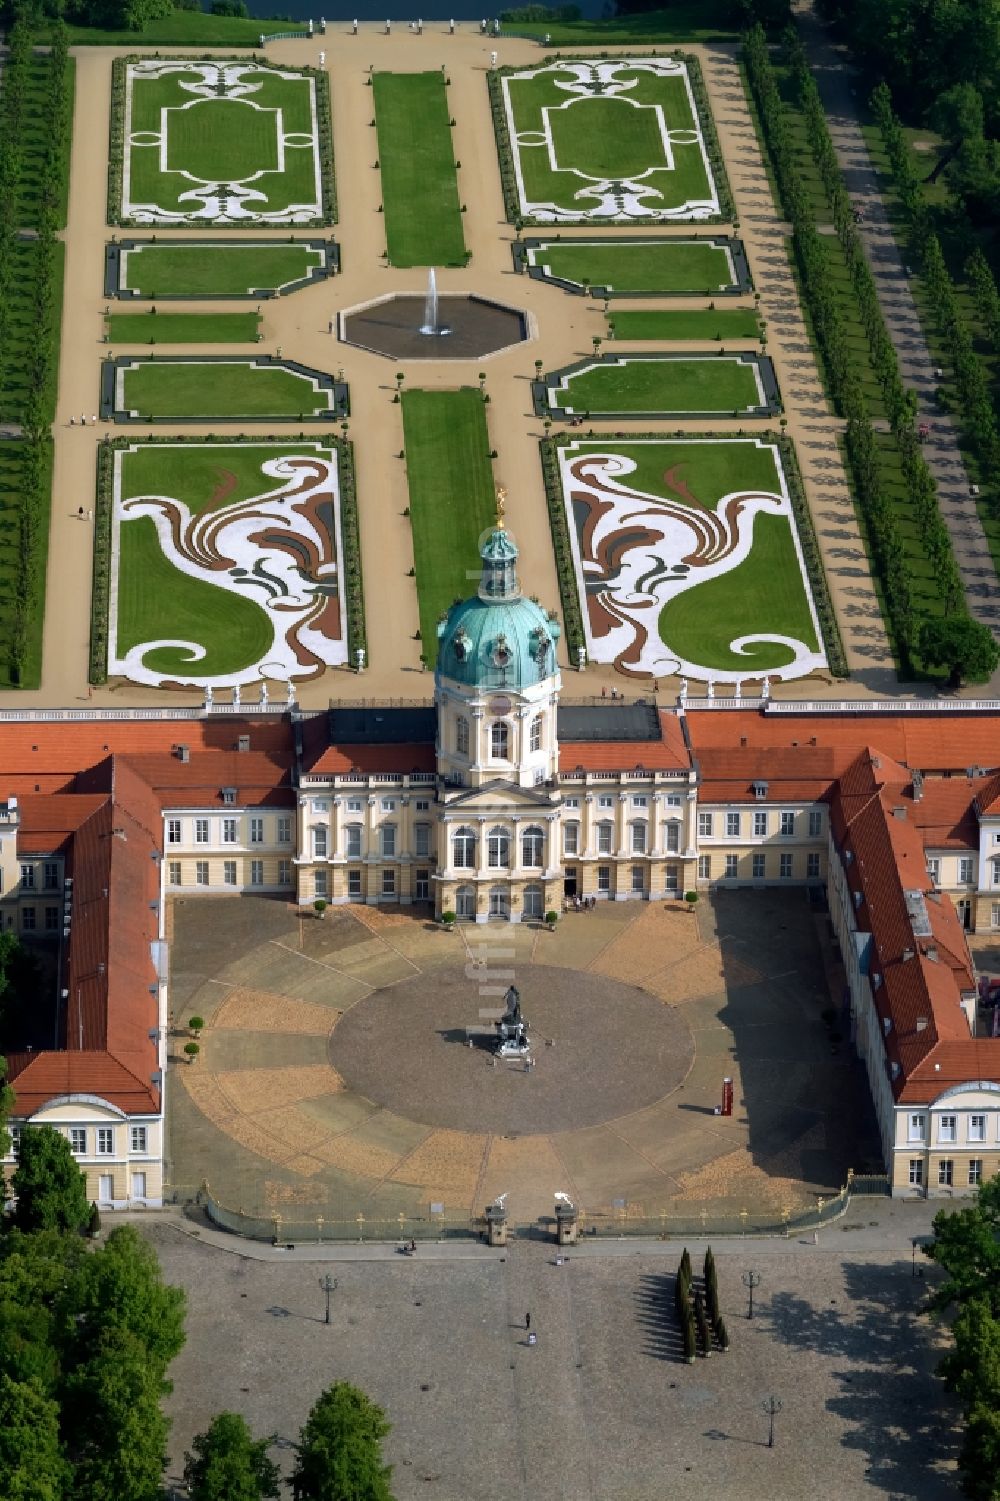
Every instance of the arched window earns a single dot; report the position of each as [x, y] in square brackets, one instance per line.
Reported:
[533, 847]
[498, 849]
[534, 901]
[638, 839]
[319, 841]
[605, 838]
[462, 735]
[464, 849]
[465, 903]
[535, 741]
[500, 740]
[352, 841]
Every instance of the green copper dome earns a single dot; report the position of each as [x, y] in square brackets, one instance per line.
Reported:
[497, 639]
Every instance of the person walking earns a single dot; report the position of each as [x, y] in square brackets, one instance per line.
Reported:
[527, 1321]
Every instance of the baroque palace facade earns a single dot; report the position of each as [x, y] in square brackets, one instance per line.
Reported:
[499, 802]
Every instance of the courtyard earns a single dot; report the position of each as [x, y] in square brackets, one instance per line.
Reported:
[343, 1072]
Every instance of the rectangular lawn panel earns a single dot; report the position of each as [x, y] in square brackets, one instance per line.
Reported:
[183, 328]
[608, 139]
[638, 266]
[228, 389]
[624, 384]
[452, 499]
[423, 219]
[692, 323]
[688, 559]
[200, 596]
[178, 270]
[220, 141]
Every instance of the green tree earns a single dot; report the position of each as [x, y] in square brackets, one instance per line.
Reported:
[340, 1449]
[229, 1464]
[6, 1106]
[116, 1435]
[32, 1466]
[958, 115]
[36, 1271]
[980, 1457]
[120, 1287]
[50, 1189]
[960, 645]
[967, 1245]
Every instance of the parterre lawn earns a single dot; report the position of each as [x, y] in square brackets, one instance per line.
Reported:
[179, 270]
[423, 219]
[695, 323]
[684, 266]
[183, 328]
[190, 389]
[696, 385]
[450, 478]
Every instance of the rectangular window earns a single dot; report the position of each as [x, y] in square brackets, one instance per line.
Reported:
[673, 799]
[28, 919]
[201, 831]
[422, 805]
[28, 877]
[640, 802]
[173, 872]
[995, 914]
[605, 835]
[320, 888]
[422, 886]
[571, 802]
[201, 872]
[284, 872]
[229, 831]
[105, 1141]
[389, 883]
[732, 825]
[388, 805]
[787, 824]
[388, 833]
[256, 831]
[759, 824]
[319, 805]
[704, 867]
[354, 883]
[815, 823]
[947, 1128]
[604, 878]
[256, 872]
[638, 878]
[354, 805]
[705, 825]
[51, 919]
[50, 877]
[15, 1141]
[965, 876]
[785, 867]
[284, 831]
[319, 842]
[934, 868]
[605, 802]
[732, 867]
[916, 1172]
[916, 1128]
[812, 866]
[138, 1139]
[975, 1171]
[946, 1172]
[977, 1128]
[759, 867]
[173, 831]
[352, 845]
[78, 1140]
[672, 879]
[229, 872]
[638, 839]
[571, 839]
[673, 836]
[422, 839]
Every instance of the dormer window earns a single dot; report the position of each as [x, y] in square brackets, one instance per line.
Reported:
[229, 796]
[759, 790]
[501, 652]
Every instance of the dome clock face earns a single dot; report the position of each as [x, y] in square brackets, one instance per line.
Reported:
[500, 704]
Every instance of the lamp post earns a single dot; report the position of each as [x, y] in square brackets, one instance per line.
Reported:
[750, 1281]
[329, 1286]
[772, 1406]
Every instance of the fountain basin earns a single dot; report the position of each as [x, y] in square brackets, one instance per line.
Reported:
[476, 327]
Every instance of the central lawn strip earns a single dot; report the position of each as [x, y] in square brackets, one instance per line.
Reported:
[188, 389]
[178, 270]
[452, 501]
[695, 385]
[696, 323]
[423, 219]
[183, 328]
[641, 267]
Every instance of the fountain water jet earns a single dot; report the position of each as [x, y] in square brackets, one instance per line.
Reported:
[431, 324]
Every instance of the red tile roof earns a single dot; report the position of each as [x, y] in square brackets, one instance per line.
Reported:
[46, 1076]
[336, 760]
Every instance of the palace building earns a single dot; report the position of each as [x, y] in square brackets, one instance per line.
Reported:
[499, 801]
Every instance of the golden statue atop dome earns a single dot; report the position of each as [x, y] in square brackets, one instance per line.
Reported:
[501, 502]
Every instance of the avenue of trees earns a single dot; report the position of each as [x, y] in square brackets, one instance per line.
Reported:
[87, 1336]
[967, 1246]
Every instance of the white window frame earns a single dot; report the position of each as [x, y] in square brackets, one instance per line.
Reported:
[230, 831]
[916, 1126]
[733, 825]
[174, 832]
[105, 1141]
[202, 831]
[78, 1140]
[760, 823]
[256, 831]
[977, 1128]
[353, 841]
[138, 1139]
[256, 872]
[705, 824]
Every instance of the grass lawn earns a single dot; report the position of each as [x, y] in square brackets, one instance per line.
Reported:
[183, 328]
[221, 141]
[685, 21]
[423, 218]
[240, 389]
[452, 501]
[715, 384]
[185, 28]
[588, 139]
[637, 266]
[180, 270]
[693, 323]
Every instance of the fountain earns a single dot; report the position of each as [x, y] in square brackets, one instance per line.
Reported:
[431, 325]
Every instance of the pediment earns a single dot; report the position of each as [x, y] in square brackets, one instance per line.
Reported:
[499, 796]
